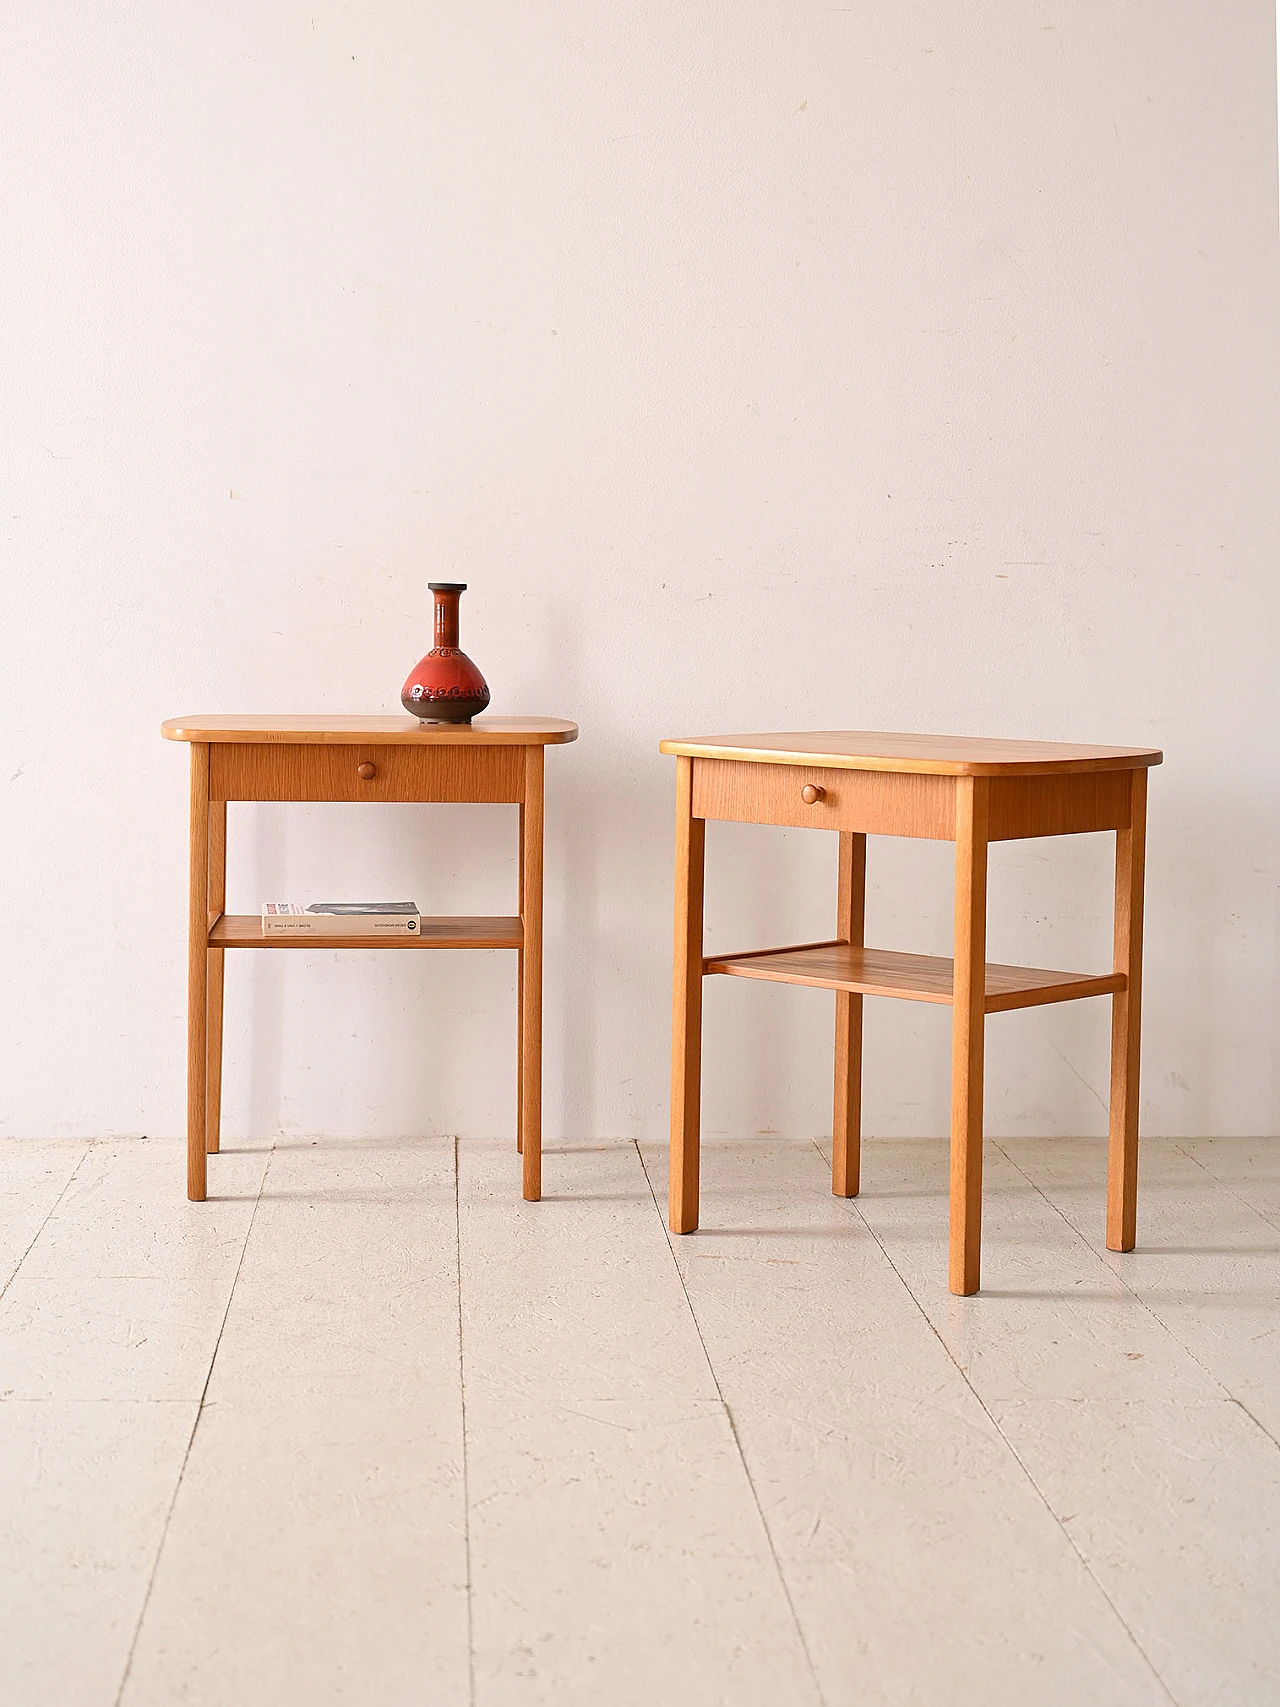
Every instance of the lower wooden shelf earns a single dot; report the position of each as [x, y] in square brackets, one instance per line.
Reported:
[244, 930]
[913, 977]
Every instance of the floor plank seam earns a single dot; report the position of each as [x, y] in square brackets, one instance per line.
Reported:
[53, 1209]
[733, 1431]
[1261, 1427]
[462, 1399]
[1013, 1451]
[1226, 1184]
[195, 1426]
[1228, 1397]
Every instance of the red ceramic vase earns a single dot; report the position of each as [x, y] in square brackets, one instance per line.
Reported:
[445, 686]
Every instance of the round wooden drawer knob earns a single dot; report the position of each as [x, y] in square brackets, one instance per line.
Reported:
[811, 794]
[366, 772]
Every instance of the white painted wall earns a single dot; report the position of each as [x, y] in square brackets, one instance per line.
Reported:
[760, 366]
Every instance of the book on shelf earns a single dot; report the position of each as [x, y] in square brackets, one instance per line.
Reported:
[341, 918]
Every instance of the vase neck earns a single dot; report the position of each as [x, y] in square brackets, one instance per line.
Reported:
[447, 619]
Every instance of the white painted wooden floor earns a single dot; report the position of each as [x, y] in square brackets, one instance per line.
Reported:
[367, 1429]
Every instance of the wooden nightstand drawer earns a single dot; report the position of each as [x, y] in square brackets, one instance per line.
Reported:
[347, 771]
[814, 797]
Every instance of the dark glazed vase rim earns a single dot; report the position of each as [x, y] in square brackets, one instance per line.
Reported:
[446, 586]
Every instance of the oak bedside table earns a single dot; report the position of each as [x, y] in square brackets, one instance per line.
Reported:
[357, 759]
[970, 792]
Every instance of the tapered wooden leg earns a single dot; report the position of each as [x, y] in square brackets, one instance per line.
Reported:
[217, 905]
[686, 1006]
[967, 1026]
[520, 1013]
[1126, 1025]
[520, 1056]
[198, 973]
[846, 1130]
[530, 1075]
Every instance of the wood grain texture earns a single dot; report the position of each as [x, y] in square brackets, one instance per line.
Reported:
[879, 803]
[531, 979]
[1069, 805]
[217, 902]
[940, 755]
[244, 930]
[1126, 1026]
[910, 977]
[686, 1007]
[846, 1127]
[329, 730]
[198, 975]
[968, 1007]
[368, 773]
